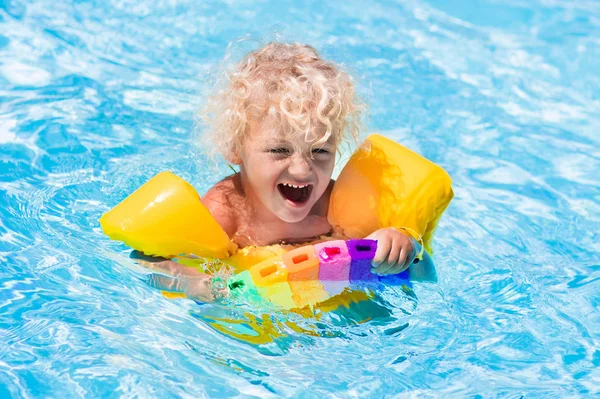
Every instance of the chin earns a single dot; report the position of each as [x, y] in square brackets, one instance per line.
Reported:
[289, 217]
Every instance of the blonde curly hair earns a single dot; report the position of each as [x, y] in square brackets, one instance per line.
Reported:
[290, 82]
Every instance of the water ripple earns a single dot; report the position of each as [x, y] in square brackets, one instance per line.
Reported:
[93, 102]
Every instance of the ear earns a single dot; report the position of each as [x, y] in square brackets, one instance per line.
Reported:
[234, 158]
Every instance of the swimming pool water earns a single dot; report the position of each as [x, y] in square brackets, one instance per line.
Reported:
[97, 97]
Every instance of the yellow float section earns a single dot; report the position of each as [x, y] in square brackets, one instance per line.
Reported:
[383, 185]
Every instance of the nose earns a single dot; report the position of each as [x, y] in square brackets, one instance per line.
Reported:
[300, 167]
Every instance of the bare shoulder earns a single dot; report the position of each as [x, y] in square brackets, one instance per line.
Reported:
[220, 201]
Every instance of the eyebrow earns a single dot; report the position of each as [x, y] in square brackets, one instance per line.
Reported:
[272, 142]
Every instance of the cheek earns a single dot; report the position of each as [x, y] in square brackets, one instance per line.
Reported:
[264, 169]
[326, 168]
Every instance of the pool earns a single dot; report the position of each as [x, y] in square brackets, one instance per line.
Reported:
[97, 97]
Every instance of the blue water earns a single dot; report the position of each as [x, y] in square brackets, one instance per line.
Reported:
[96, 97]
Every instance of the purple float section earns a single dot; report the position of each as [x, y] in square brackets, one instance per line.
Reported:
[396, 279]
[362, 253]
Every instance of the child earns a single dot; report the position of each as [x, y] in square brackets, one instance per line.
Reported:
[281, 119]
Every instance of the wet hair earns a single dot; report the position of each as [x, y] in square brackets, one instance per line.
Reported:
[291, 84]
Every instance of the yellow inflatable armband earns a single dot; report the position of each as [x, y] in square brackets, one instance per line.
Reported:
[165, 217]
[387, 185]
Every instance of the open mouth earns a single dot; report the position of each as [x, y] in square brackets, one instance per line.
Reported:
[298, 194]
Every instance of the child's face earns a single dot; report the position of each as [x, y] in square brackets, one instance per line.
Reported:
[287, 176]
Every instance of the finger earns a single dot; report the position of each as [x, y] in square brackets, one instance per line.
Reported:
[409, 254]
[394, 254]
[382, 269]
[403, 261]
[395, 268]
[383, 248]
[391, 260]
[388, 265]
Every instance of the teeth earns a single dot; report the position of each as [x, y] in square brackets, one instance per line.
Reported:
[295, 186]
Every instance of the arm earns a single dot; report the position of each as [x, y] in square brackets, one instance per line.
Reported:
[180, 278]
[176, 277]
[218, 201]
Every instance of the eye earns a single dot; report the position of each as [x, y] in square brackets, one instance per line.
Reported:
[279, 150]
[318, 151]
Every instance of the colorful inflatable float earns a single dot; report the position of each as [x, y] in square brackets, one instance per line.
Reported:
[383, 185]
[312, 274]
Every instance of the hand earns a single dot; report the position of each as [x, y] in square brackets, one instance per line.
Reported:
[202, 288]
[395, 251]
[192, 282]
